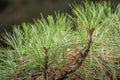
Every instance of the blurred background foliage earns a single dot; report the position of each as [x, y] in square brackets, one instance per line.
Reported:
[17, 11]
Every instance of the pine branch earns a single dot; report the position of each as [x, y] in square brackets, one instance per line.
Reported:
[79, 62]
[46, 63]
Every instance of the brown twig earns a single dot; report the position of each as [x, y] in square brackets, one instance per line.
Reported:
[46, 63]
[79, 62]
[32, 76]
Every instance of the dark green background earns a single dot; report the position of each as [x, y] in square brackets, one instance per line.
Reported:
[18, 11]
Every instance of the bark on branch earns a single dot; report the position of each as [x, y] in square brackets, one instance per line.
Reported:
[80, 61]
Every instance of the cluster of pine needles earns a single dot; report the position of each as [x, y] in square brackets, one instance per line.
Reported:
[81, 46]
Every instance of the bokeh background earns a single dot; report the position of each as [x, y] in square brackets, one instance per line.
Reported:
[17, 11]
